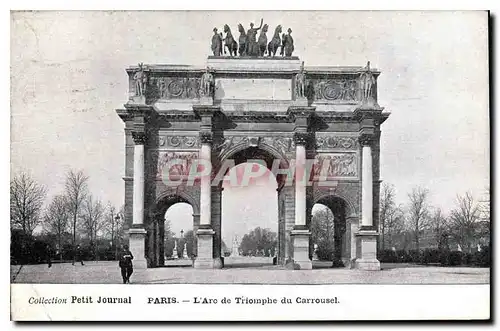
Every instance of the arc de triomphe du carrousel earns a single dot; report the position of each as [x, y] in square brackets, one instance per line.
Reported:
[317, 128]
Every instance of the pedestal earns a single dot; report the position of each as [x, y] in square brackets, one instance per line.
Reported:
[137, 238]
[138, 100]
[301, 249]
[205, 259]
[206, 101]
[300, 101]
[367, 255]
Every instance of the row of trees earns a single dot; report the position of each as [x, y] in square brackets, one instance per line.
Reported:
[419, 225]
[259, 242]
[72, 217]
[415, 225]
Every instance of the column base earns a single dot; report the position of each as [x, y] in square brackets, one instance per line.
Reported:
[218, 263]
[137, 243]
[372, 265]
[301, 258]
[205, 259]
[367, 255]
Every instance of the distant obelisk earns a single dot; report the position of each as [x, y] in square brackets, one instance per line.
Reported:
[175, 254]
[234, 250]
[185, 252]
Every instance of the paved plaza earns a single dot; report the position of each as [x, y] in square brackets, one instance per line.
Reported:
[256, 271]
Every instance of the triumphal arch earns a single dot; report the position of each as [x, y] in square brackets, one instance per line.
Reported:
[317, 128]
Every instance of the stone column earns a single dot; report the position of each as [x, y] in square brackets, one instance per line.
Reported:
[205, 233]
[161, 252]
[352, 223]
[300, 233]
[218, 255]
[137, 233]
[367, 235]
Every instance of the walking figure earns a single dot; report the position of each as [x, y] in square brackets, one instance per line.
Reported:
[48, 255]
[125, 264]
[78, 255]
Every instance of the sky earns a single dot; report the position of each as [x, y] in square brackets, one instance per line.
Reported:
[68, 78]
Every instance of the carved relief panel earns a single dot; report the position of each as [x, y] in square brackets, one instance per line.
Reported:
[175, 87]
[336, 165]
[179, 142]
[337, 142]
[172, 164]
[338, 89]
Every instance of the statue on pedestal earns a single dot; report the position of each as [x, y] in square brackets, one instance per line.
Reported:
[315, 253]
[216, 43]
[207, 84]
[367, 82]
[300, 83]
[140, 80]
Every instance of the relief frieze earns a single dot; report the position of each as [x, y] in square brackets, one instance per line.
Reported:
[181, 142]
[337, 142]
[335, 165]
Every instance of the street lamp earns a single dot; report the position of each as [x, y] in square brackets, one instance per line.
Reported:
[117, 219]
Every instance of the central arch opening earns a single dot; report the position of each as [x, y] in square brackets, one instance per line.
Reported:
[328, 233]
[249, 220]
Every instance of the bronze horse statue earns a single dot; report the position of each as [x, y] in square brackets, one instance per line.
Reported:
[275, 43]
[263, 40]
[242, 40]
[230, 43]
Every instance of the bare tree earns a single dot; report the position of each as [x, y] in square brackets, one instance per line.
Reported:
[465, 220]
[92, 217]
[26, 202]
[76, 191]
[57, 217]
[113, 225]
[394, 224]
[418, 213]
[439, 226]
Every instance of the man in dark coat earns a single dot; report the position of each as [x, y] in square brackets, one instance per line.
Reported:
[48, 255]
[78, 255]
[125, 264]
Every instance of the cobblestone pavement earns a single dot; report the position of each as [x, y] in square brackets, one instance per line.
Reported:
[238, 273]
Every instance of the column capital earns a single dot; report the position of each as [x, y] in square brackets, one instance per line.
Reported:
[366, 139]
[300, 138]
[206, 137]
[139, 137]
[300, 111]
